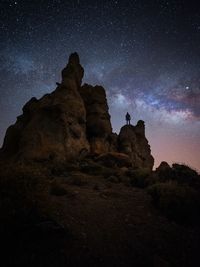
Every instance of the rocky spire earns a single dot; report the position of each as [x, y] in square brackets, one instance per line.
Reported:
[73, 71]
[73, 119]
[53, 127]
[132, 141]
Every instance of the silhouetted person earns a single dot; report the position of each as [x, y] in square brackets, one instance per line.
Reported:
[128, 118]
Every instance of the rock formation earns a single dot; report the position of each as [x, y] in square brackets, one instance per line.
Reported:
[132, 141]
[53, 127]
[73, 121]
[73, 72]
[98, 125]
[163, 167]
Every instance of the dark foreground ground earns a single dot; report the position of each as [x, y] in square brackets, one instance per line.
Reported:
[87, 215]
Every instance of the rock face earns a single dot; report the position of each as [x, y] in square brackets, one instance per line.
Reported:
[163, 167]
[53, 127]
[73, 72]
[114, 159]
[132, 141]
[73, 121]
[99, 129]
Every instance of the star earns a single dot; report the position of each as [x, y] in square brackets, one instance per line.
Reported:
[145, 55]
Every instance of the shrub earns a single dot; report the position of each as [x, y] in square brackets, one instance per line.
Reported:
[92, 168]
[139, 178]
[125, 180]
[62, 169]
[164, 175]
[178, 202]
[184, 174]
[180, 173]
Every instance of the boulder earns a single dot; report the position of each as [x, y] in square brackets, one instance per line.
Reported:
[163, 167]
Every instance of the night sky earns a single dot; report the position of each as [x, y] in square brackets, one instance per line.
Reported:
[145, 53]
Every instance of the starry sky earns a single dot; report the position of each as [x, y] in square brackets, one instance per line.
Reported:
[145, 53]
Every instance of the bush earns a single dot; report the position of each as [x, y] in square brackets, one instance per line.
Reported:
[139, 178]
[180, 173]
[184, 174]
[95, 169]
[178, 202]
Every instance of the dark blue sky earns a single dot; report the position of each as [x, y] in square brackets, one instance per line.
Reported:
[145, 53]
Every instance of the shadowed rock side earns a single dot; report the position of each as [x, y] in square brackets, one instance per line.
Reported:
[72, 74]
[54, 126]
[87, 196]
[98, 125]
[72, 121]
[132, 141]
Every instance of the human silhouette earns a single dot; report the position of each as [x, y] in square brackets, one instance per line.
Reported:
[128, 118]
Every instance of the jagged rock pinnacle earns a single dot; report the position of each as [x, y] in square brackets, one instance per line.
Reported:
[73, 119]
[74, 59]
[132, 141]
[73, 71]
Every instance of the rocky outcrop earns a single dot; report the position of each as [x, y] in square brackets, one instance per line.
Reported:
[73, 121]
[114, 159]
[132, 141]
[53, 127]
[163, 167]
[73, 72]
[98, 125]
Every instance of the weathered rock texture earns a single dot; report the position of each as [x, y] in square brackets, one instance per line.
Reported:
[53, 127]
[98, 125]
[71, 122]
[132, 141]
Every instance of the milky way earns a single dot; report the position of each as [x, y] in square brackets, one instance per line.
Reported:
[145, 53]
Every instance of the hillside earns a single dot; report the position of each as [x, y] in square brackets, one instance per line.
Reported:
[73, 193]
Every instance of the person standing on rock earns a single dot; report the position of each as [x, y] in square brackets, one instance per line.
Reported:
[128, 118]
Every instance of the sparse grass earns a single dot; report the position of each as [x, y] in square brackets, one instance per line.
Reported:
[139, 178]
[62, 169]
[178, 202]
[180, 173]
[125, 180]
[20, 190]
[96, 187]
[96, 169]
[175, 192]
[100, 210]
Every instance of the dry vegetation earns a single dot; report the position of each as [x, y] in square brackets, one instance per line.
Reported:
[86, 214]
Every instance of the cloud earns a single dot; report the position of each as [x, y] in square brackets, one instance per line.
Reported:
[163, 114]
[120, 101]
[186, 95]
[23, 64]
